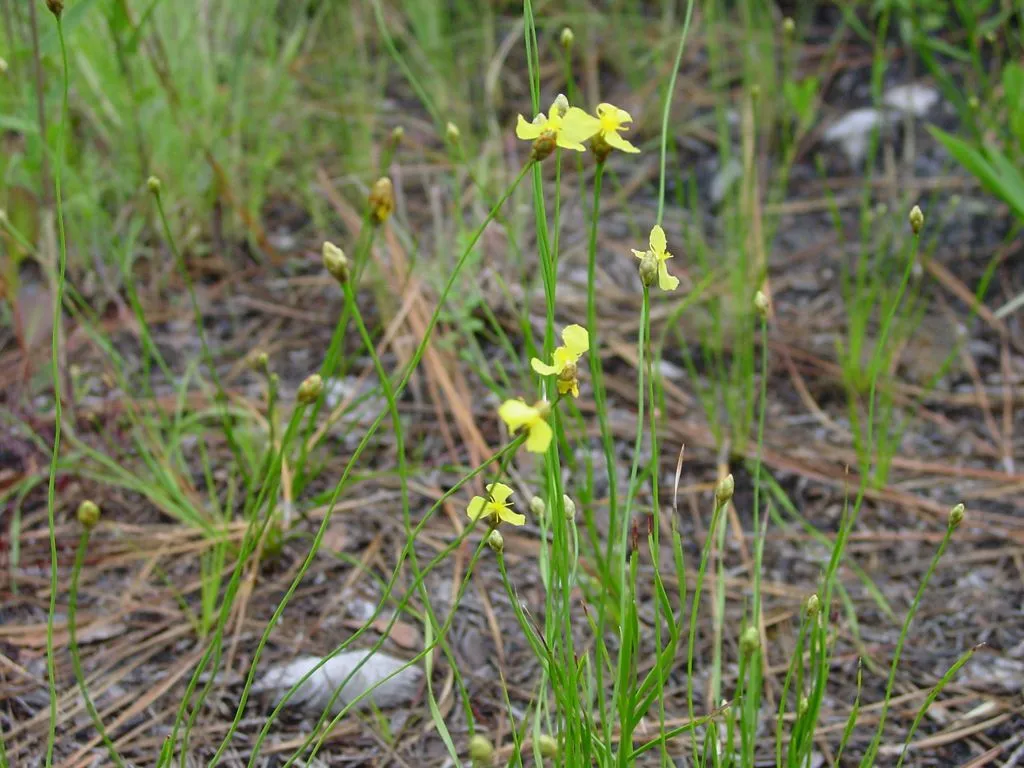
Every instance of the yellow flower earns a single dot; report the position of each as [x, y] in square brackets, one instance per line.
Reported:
[495, 507]
[658, 249]
[612, 121]
[518, 415]
[577, 341]
[567, 126]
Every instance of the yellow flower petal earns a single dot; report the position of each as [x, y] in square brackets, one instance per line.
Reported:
[565, 143]
[475, 510]
[543, 368]
[540, 437]
[658, 242]
[513, 518]
[666, 281]
[499, 493]
[576, 339]
[638, 254]
[564, 357]
[615, 141]
[516, 413]
[527, 130]
[577, 126]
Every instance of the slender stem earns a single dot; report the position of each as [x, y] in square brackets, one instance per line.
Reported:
[76, 659]
[504, 455]
[37, 67]
[666, 111]
[625, 653]
[58, 303]
[222, 397]
[399, 388]
[596, 368]
[869, 756]
[694, 608]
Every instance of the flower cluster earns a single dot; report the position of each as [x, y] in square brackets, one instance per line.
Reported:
[568, 127]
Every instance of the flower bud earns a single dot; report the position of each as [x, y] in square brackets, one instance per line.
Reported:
[762, 304]
[956, 515]
[452, 132]
[755, 92]
[916, 219]
[600, 147]
[547, 745]
[3, 66]
[382, 199]
[335, 262]
[570, 507]
[397, 134]
[813, 605]
[496, 541]
[153, 184]
[56, 6]
[560, 105]
[750, 641]
[261, 361]
[481, 750]
[567, 38]
[537, 507]
[543, 146]
[88, 514]
[788, 26]
[649, 269]
[802, 706]
[310, 390]
[724, 490]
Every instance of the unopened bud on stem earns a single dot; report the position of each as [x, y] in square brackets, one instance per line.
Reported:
[335, 262]
[310, 390]
[496, 541]
[750, 641]
[88, 514]
[481, 751]
[916, 219]
[382, 199]
[956, 515]
[724, 490]
[762, 304]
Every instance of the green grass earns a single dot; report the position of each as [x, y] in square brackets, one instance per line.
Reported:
[236, 105]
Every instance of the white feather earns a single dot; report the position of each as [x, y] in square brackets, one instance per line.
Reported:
[316, 692]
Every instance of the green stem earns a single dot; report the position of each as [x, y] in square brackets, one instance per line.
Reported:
[666, 111]
[76, 659]
[694, 608]
[869, 756]
[51, 493]
[398, 389]
[625, 654]
[503, 456]
[221, 394]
